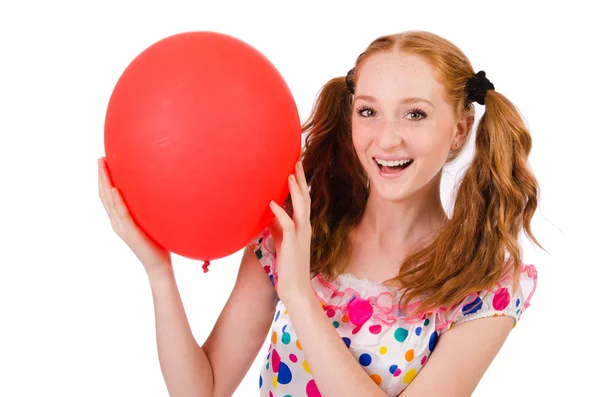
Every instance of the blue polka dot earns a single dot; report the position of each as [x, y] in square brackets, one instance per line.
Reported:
[285, 375]
[418, 331]
[518, 302]
[268, 355]
[393, 369]
[272, 279]
[277, 315]
[473, 307]
[258, 254]
[284, 327]
[433, 340]
[347, 341]
[260, 382]
[365, 359]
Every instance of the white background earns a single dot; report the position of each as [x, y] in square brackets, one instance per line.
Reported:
[76, 315]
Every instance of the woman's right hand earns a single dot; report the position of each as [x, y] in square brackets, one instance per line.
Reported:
[155, 259]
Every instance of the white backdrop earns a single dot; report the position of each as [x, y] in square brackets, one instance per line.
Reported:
[76, 315]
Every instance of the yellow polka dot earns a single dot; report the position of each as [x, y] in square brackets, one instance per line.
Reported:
[298, 345]
[409, 376]
[275, 381]
[376, 378]
[410, 355]
[305, 366]
[344, 318]
[285, 311]
[274, 338]
[382, 350]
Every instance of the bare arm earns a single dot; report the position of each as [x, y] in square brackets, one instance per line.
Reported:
[192, 370]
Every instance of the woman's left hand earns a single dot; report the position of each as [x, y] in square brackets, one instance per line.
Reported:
[292, 240]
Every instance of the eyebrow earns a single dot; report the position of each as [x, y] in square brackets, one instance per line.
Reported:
[403, 101]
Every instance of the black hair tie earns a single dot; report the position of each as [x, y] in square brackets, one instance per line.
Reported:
[477, 87]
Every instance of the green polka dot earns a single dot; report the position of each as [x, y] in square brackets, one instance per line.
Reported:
[401, 334]
[285, 338]
[267, 365]
[336, 324]
[518, 311]
[426, 322]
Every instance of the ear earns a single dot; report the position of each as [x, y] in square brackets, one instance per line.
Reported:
[464, 125]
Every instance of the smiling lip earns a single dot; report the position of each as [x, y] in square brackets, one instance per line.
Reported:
[393, 174]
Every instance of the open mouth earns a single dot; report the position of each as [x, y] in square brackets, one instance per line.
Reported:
[391, 166]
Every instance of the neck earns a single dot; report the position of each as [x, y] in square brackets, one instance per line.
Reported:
[392, 225]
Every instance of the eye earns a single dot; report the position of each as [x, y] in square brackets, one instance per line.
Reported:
[416, 115]
[365, 111]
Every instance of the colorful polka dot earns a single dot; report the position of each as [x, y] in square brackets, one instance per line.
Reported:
[365, 359]
[409, 355]
[274, 338]
[312, 390]
[293, 358]
[433, 340]
[285, 311]
[285, 375]
[330, 313]
[383, 350]
[410, 375]
[501, 299]
[298, 345]
[275, 382]
[285, 338]
[335, 324]
[305, 366]
[518, 302]
[426, 323]
[376, 378]
[356, 329]
[260, 381]
[276, 360]
[347, 341]
[345, 318]
[423, 360]
[270, 394]
[375, 329]
[473, 307]
[418, 331]
[393, 369]
[277, 315]
[267, 366]
[401, 334]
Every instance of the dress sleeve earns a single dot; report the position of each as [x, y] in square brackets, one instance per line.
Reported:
[263, 247]
[502, 300]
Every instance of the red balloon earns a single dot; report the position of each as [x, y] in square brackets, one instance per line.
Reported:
[201, 133]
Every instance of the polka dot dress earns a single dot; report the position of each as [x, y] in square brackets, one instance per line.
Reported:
[391, 347]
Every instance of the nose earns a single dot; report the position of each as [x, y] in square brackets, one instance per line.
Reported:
[388, 137]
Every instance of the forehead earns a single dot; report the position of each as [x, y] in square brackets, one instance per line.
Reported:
[396, 75]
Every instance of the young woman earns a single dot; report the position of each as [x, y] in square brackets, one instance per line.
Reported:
[372, 289]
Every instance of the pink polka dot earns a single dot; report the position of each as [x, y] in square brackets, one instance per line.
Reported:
[375, 329]
[398, 372]
[270, 394]
[356, 329]
[312, 390]
[330, 313]
[275, 361]
[423, 360]
[501, 299]
[293, 358]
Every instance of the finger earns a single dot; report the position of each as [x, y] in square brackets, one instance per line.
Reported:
[298, 203]
[121, 209]
[301, 178]
[287, 225]
[104, 187]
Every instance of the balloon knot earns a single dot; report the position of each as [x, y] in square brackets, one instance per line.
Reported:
[205, 266]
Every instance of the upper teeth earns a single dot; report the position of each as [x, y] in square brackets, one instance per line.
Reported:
[391, 163]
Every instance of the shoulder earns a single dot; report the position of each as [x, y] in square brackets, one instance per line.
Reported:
[263, 247]
[510, 297]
